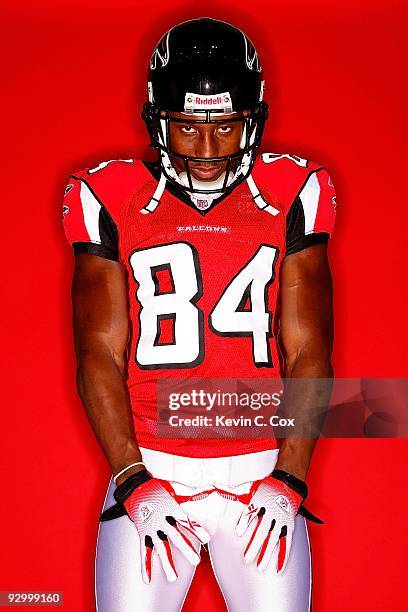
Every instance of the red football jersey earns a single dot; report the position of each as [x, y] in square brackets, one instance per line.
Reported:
[203, 285]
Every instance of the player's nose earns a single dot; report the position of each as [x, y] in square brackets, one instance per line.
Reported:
[206, 145]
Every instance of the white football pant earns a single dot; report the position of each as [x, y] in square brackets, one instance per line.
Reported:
[118, 581]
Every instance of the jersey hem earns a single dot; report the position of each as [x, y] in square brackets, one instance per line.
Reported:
[210, 453]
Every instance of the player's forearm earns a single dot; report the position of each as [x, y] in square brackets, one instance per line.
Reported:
[305, 401]
[105, 397]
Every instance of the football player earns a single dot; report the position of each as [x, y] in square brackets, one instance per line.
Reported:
[198, 265]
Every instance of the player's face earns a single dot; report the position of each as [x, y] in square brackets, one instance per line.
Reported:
[206, 140]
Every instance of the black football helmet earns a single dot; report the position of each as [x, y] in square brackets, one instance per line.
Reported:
[205, 68]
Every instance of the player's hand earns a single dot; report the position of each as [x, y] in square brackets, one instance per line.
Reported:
[271, 513]
[160, 522]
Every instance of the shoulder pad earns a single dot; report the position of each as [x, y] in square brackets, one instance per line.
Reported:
[284, 174]
[113, 181]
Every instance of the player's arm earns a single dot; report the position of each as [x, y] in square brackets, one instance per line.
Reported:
[307, 335]
[100, 321]
[101, 335]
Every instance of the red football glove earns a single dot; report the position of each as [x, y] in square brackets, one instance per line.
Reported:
[271, 510]
[151, 505]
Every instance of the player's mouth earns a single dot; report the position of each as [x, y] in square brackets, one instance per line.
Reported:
[206, 172]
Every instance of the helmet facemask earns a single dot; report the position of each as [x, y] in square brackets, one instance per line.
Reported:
[238, 164]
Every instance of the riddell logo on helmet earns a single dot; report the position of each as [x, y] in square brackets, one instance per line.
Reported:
[208, 100]
[194, 101]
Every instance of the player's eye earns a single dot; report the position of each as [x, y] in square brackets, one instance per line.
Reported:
[225, 129]
[187, 129]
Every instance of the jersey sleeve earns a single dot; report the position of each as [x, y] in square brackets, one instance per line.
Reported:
[88, 226]
[310, 219]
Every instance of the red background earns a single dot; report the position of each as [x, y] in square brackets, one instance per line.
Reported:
[73, 81]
